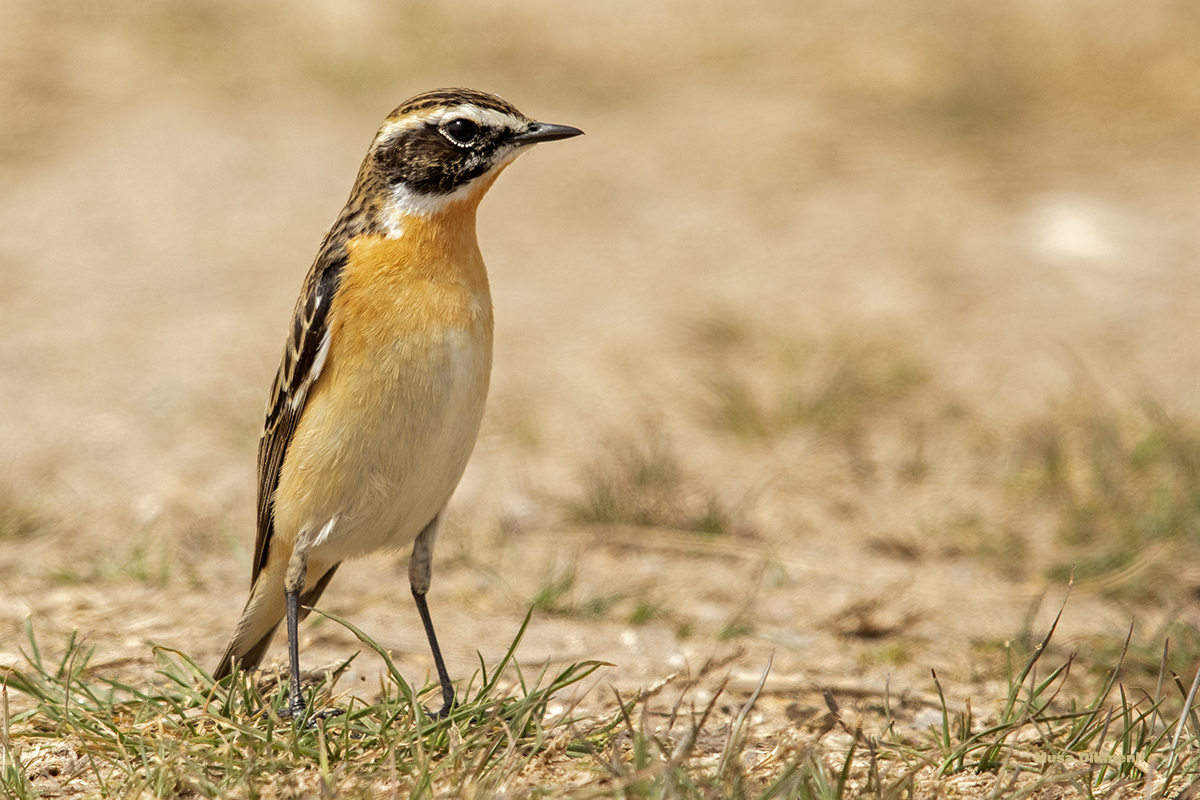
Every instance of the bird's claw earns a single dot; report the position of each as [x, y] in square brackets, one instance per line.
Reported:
[299, 711]
[449, 703]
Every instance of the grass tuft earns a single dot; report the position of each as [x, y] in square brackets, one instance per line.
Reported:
[833, 386]
[191, 736]
[512, 734]
[19, 520]
[642, 484]
[1125, 488]
[556, 596]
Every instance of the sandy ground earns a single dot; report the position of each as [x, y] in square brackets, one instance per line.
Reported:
[774, 170]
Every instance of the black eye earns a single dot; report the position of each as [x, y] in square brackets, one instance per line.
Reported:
[461, 131]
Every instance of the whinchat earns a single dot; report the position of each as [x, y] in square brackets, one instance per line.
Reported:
[378, 400]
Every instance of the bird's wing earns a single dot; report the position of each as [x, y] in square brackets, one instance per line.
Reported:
[303, 359]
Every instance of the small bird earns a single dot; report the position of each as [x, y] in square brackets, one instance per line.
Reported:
[381, 390]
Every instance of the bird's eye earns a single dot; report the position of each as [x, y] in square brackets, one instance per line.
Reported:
[462, 131]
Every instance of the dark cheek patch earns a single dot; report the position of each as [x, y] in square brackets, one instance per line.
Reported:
[426, 163]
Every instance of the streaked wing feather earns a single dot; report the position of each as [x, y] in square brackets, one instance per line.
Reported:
[303, 358]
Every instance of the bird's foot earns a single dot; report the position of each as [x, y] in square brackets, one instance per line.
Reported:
[297, 711]
[449, 703]
[440, 714]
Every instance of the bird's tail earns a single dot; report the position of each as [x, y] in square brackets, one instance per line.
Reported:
[261, 617]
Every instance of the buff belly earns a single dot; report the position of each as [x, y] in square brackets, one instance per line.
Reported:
[381, 459]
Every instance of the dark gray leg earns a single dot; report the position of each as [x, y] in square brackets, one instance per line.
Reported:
[293, 585]
[295, 706]
[420, 573]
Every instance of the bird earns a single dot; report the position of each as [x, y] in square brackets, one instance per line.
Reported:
[381, 389]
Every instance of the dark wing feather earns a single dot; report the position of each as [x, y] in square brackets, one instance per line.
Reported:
[303, 358]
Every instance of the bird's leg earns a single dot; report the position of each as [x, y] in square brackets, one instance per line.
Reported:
[295, 707]
[420, 573]
[293, 584]
[443, 675]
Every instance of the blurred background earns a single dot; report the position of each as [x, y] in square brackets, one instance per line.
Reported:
[847, 332]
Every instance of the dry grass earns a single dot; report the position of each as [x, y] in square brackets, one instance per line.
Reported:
[18, 520]
[1123, 485]
[187, 736]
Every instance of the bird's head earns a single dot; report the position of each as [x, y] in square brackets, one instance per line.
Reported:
[448, 144]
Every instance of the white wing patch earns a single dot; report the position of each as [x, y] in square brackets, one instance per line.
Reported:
[296, 401]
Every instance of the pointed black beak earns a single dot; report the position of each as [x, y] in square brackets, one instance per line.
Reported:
[545, 132]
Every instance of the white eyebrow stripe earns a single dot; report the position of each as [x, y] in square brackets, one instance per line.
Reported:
[488, 117]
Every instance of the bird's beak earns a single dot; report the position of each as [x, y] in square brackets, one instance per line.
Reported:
[545, 132]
